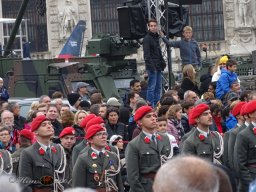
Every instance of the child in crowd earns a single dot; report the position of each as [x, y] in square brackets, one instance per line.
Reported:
[4, 95]
[162, 128]
[227, 77]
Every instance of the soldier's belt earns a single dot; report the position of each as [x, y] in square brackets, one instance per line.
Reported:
[48, 189]
[103, 190]
[252, 165]
[149, 175]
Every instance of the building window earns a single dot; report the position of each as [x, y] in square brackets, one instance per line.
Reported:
[104, 16]
[37, 25]
[207, 20]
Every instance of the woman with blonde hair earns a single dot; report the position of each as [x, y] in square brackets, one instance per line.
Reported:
[79, 116]
[189, 80]
[174, 126]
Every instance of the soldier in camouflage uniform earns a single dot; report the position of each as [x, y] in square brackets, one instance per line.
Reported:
[25, 140]
[97, 168]
[147, 152]
[39, 162]
[245, 149]
[203, 142]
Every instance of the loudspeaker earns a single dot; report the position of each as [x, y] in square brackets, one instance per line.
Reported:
[254, 57]
[132, 23]
[175, 23]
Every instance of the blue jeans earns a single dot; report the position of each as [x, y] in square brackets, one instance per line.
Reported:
[154, 87]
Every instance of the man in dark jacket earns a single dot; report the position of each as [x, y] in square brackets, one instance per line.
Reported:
[68, 139]
[245, 149]
[25, 140]
[97, 168]
[203, 142]
[42, 161]
[154, 62]
[145, 153]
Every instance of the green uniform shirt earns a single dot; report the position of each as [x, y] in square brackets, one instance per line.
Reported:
[203, 148]
[143, 158]
[90, 168]
[245, 153]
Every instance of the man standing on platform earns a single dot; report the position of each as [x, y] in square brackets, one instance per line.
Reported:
[154, 62]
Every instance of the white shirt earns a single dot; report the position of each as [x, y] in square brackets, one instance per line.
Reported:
[44, 146]
[254, 124]
[172, 140]
[97, 151]
[203, 132]
[149, 135]
[246, 123]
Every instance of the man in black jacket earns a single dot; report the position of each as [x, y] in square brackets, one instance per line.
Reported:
[154, 62]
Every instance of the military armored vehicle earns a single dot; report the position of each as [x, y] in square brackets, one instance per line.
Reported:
[105, 68]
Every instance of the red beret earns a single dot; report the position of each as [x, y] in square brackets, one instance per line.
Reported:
[237, 108]
[190, 120]
[67, 131]
[94, 121]
[141, 112]
[242, 112]
[86, 119]
[197, 111]
[27, 133]
[37, 122]
[92, 130]
[250, 107]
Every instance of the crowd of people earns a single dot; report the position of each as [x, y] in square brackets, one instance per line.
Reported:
[189, 138]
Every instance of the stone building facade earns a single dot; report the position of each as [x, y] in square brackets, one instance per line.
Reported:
[62, 16]
[239, 25]
[240, 20]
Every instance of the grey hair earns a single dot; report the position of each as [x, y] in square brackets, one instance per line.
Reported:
[186, 174]
[42, 98]
[186, 94]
